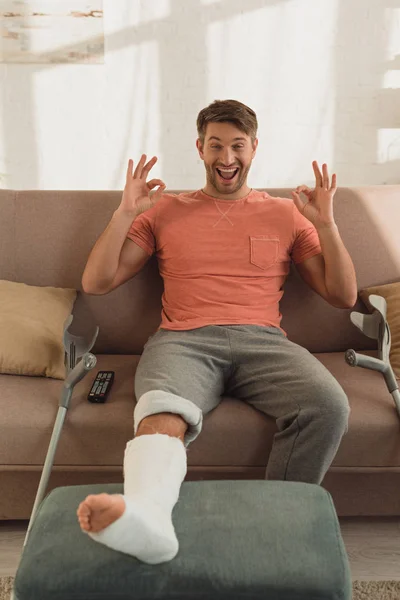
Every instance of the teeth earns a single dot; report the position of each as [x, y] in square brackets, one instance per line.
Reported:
[226, 172]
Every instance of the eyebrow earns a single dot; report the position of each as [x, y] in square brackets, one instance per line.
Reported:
[214, 137]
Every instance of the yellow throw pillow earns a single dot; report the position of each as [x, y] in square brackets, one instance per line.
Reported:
[31, 328]
[391, 293]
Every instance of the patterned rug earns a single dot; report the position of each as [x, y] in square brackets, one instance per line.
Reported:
[362, 590]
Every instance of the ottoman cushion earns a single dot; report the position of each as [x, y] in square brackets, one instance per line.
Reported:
[256, 539]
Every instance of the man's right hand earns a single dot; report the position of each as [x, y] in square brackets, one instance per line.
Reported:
[137, 197]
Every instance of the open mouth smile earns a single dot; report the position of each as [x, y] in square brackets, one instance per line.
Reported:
[227, 175]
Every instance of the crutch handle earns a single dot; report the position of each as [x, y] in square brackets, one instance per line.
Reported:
[369, 362]
[361, 360]
[81, 368]
[78, 372]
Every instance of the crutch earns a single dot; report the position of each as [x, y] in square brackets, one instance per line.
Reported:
[75, 347]
[376, 327]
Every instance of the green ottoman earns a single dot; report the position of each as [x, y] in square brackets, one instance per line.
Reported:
[275, 540]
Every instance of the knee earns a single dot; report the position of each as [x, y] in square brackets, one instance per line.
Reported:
[167, 423]
[338, 408]
[169, 413]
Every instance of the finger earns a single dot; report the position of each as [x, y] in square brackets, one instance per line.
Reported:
[147, 167]
[157, 194]
[139, 167]
[129, 169]
[325, 176]
[154, 182]
[305, 189]
[297, 201]
[317, 173]
[333, 186]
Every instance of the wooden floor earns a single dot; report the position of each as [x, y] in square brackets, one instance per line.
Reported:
[372, 544]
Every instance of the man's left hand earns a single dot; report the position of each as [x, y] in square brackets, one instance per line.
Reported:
[319, 206]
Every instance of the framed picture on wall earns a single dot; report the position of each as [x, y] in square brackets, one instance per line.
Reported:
[51, 31]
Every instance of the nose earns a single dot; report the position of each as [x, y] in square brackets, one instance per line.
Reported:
[228, 157]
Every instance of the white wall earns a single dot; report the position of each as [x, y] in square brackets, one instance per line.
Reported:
[322, 75]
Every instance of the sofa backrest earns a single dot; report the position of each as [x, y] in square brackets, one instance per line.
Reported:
[46, 238]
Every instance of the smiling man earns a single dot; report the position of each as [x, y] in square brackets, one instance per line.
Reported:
[224, 252]
[227, 159]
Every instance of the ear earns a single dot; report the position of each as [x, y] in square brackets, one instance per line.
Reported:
[254, 148]
[200, 148]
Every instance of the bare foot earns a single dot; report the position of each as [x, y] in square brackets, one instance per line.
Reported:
[98, 511]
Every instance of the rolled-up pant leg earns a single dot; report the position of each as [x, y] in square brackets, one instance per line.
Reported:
[286, 382]
[182, 372]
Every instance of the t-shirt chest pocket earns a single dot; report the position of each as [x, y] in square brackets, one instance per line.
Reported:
[264, 250]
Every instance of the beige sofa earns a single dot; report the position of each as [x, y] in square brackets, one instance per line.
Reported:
[45, 240]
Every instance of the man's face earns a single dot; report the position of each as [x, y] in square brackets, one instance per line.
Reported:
[227, 154]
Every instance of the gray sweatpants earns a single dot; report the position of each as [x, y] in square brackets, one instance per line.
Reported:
[186, 372]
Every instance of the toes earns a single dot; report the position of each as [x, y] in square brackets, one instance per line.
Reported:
[83, 509]
[84, 513]
[85, 526]
[84, 523]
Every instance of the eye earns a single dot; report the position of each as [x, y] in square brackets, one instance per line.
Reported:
[235, 147]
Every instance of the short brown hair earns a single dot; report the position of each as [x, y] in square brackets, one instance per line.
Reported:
[231, 111]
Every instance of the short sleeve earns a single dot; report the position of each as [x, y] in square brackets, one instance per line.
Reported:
[306, 240]
[142, 232]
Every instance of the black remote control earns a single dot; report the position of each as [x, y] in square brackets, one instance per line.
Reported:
[101, 386]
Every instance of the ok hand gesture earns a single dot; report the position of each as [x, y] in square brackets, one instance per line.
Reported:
[137, 197]
[319, 206]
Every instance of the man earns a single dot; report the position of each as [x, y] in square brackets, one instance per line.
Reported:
[224, 252]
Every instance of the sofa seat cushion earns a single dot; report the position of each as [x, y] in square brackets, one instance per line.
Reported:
[237, 539]
[234, 434]
[373, 439]
[92, 434]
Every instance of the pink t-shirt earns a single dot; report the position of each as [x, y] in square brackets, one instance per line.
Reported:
[223, 262]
